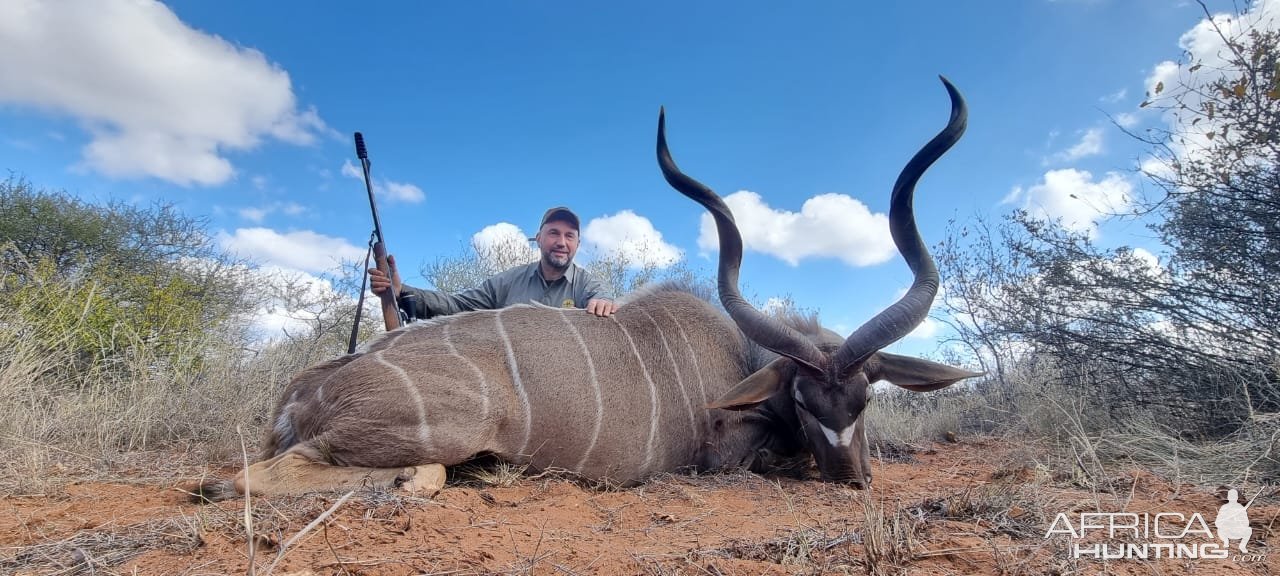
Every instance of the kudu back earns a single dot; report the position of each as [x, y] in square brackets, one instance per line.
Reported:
[666, 384]
[614, 398]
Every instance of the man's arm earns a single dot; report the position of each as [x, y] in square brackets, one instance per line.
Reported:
[424, 304]
[430, 303]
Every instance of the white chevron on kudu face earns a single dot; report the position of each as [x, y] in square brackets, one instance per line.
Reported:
[844, 438]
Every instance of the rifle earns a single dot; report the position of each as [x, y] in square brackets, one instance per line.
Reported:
[391, 315]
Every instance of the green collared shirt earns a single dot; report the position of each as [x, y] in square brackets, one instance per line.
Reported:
[519, 285]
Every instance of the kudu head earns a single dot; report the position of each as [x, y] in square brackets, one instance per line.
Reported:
[826, 380]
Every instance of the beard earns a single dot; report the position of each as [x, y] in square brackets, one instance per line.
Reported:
[557, 261]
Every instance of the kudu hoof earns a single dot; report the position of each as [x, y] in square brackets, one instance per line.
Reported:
[424, 481]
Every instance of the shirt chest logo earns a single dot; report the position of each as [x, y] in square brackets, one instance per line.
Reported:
[568, 303]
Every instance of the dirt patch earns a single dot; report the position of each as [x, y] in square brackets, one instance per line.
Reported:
[966, 508]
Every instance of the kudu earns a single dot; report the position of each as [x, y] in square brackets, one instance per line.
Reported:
[667, 383]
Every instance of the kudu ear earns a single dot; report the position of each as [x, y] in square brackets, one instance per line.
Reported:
[914, 374]
[757, 387]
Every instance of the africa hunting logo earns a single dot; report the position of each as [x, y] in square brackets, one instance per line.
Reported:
[1142, 536]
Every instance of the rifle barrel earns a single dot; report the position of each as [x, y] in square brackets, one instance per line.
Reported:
[390, 309]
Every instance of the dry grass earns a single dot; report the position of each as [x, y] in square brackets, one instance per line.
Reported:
[89, 552]
[900, 422]
[889, 536]
[1250, 456]
[796, 547]
[488, 472]
[93, 423]
[269, 526]
[1086, 443]
[1018, 510]
[66, 419]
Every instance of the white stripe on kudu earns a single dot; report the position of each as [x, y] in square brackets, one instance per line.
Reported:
[697, 370]
[311, 438]
[653, 395]
[515, 380]
[484, 383]
[595, 386]
[424, 431]
[671, 357]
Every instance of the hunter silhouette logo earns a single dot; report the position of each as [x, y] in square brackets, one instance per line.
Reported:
[1146, 535]
[1232, 522]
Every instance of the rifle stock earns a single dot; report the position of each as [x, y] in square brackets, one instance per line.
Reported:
[390, 310]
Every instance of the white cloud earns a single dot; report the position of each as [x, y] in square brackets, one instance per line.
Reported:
[1156, 168]
[257, 214]
[1090, 144]
[927, 330]
[1204, 48]
[294, 301]
[290, 301]
[498, 235]
[631, 236]
[350, 171]
[502, 246]
[300, 250]
[775, 305]
[277, 316]
[1162, 75]
[1151, 260]
[1116, 96]
[254, 214]
[259, 182]
[1014, 194]
[1073, 197]
[1126, 119]
[392, 191]
[159, 98]
[404, 192]
[827, 226]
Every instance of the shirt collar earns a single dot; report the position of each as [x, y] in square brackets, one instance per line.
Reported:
[535, 272]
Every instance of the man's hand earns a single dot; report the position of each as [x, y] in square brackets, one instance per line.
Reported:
[601, 308]
[378, 281]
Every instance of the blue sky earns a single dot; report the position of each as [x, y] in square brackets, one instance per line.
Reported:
[483, 113]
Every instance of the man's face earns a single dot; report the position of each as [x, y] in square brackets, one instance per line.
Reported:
[558, 243]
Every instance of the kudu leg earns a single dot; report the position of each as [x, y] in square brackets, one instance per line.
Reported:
[297, 471]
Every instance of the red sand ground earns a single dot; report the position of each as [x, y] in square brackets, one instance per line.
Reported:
[978, 507]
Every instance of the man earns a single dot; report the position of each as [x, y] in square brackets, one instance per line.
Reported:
[553, 280]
